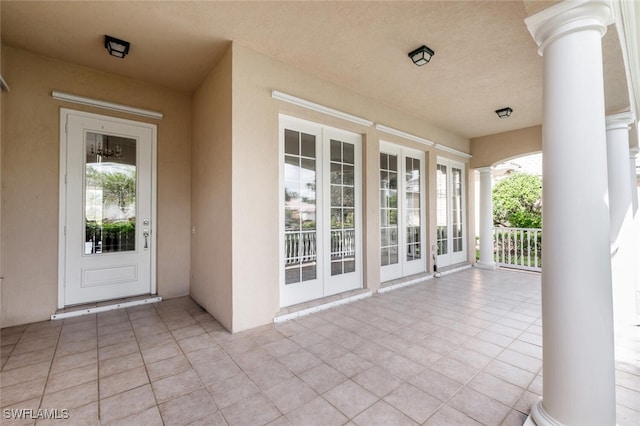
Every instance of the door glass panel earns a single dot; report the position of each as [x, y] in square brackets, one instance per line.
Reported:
[300, 207]
[441, 206]
[343, 241]
[388, 209]
[456, 207]
[412, 197]
[110, 194]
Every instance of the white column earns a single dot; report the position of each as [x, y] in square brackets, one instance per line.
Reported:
[577, 311]
[486, 220]
[621, 217]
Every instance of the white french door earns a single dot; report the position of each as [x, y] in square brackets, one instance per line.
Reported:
[451, 212]
[321, 205]
[402, 206]
[107, 208]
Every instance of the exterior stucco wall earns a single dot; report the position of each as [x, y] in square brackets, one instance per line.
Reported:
[30, 176]
[211, 209]
[492, 149]
[256, 167]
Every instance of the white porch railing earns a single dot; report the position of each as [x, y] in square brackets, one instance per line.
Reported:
[519, 248]
[301, 247]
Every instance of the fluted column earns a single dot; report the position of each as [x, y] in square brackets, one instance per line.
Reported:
[621, 217]
[577, 311]
[486, 220]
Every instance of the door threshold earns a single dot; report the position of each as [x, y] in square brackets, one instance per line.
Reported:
[93, 308]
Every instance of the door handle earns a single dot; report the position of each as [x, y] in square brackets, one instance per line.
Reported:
[146, 239]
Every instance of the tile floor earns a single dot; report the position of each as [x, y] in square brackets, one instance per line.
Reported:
[464, 349]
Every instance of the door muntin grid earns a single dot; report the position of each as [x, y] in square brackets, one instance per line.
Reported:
[442, 216]
[300, 207]
[388, 209]
[413, 211]
[342, 207]
[456, 210]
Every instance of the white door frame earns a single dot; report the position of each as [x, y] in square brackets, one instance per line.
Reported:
[451, 258]
[62, 204]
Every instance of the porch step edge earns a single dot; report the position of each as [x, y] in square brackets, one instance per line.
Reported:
[98, 309]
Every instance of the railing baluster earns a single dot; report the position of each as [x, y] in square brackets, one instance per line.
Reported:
[513, 247]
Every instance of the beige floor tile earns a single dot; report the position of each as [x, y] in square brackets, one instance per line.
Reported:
[252, 358]
[24, 346]
[62, 363]
[269, 374]
[316, 412]
[454, 369]
[254, 410]
[281, 347]
[383, 414]
[149, 417]
[378, 381]
[497, 389]
[211, 372]
[73, 397]
[159, 353]
[167, 367]
[229, 391]
[479, 407]
[375, 353]
[326, 350]
[511, 374]
[200, 341]
[290, 394]
[400, 366]
[420, 354]
[174, 386]
[189, 331]
[70, 348]
[515, 418]
[24, 374]
[349, 364]
[322, 377]
[113, 338]
[14, 414]
[117, 350]
[350, 398]
[526, 401]
[23, 391]
[72, 377]
[148, 342]
[121, 382]
[447, 416]
[300, 361]
[413, 402]
[86, 415]
[29, 358]
[126, 404]
[435, 384]
[120, 364]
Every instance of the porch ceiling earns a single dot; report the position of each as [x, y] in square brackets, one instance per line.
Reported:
[484, 56]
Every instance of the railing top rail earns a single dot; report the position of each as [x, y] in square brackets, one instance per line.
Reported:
[507, 228]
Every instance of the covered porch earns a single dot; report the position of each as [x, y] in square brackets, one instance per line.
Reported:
[462, 349]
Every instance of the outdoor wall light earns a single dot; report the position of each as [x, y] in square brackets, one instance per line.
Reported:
[116, 47]
[504, 112]
[421, 56]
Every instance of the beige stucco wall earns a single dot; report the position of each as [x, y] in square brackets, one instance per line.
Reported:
[256, 165]
[211, 214]
[492, 149]
[30, 176]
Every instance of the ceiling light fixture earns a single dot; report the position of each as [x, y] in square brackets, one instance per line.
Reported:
[504, 112]
[116, 47]
[421, 56]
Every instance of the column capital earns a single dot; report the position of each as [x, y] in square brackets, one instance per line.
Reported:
[484, 170]
[621, 120]
[569, 16]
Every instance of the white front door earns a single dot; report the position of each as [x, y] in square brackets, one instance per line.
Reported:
[107, 208]
[451, 227]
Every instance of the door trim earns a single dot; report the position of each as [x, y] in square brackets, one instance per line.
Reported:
[62, 209]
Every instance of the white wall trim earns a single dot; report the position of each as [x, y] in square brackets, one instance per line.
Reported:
[112, 307]
[627, 16]
[319, 108]
[400, 133]
[452, 151]
[67, 97]
[323, 307]
[393, 287]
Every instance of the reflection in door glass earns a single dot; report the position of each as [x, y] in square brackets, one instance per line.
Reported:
[388, 209]
[343, 226]
[442, 216]
[110, 193]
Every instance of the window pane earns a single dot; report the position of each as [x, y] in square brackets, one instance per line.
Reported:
[291, 142]
[347, 153]
[308, 145]
[336, 151]
[110, 194]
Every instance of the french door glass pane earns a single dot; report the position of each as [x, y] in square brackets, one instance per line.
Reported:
[343, 241]
[412, 205]
[456, 209]
[388, 209]
[110, 194]
[300, 206]
[441, 206]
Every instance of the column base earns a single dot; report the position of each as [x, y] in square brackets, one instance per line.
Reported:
[486, 265]
[539, 417]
